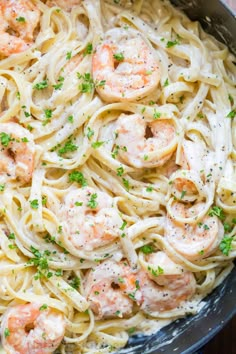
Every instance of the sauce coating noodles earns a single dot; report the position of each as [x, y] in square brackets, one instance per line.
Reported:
[117, 171]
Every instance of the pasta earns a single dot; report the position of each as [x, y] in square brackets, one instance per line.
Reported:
[117, 171]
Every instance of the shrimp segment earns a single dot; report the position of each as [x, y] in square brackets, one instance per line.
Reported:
[107, 288]
[91, 221]
[193, 241]
[17, 150]
[164, 292]
[31, 329]
[21, 17]
[126, 64]
[140, 151]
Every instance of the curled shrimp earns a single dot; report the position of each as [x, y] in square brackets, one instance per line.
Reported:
[63, 4]
[150, 144]
[108, 288]
[164, 286]
[197, 240]
[32, 329]
[127, 65]
[17, 150]
[18, 20]
[91, 220]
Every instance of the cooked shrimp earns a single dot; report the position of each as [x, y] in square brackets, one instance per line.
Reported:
[193, 241]
[17, 150]
[21, 18]
[109, 289]
[32, 329]
[165, 291]
[63, 4]
[127, 65]
[138, 149]
[91, 221]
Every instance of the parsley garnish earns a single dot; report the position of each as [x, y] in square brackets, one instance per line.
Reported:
[90, 133]
[68, 55]
[97, 144]
[226, 245]
[68, 147]
[78, 177]
[92, 203]
[120, 171]
[59, 86]
[41, 85]
[34, 204]
[156, 272]
[75, 283]
[20, 19]
[43, 307]
[5, 139]
[170, 44]
[118, 56]
[2, 187]
[88, 49]
[147, 249]
[166, 83]
[6, 332]
[231, 114]
[126, 184]
[182, 194]
[217, 211]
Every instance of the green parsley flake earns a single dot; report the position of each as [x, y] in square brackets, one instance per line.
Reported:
[92, 203]
[120, 171]
[6, 332]
[75, 283]
[231, 114]
[226, 245]
[217, 211]
[68, 147]
[34, 204]
[147, 249]
[20, 19]
[118, 56]
[90, 133]
[5, 139]
[88, 49]
[78, 177]
[97, 144]
[126, 184]
[166, 83]
[68, 55]
[2, 187]
[41, 85]
[170, 44]
[43, 307]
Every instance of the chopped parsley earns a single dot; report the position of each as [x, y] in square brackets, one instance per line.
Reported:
[90, 133]
[41, 85]
[88, 49]
[88, 84]
[147, 249]
[68, 55]
[149, 189]
[170, 44]
[60, 84]
[118, 56]
[71, 119]
[166, 83]
[182, 194]
[5, 139]
[92, 203]
[34, 204]
[97, 144]
[231, 114]
[78, 177]
[230, 97]
[226, 245]
[2, 187]
[156, 272]
[126, 184]
[20, 19]
[68, 147]
[75, 283]
[43, 307]
[6, 332]
[120, 171]
[123, 225]
[217, 211]
[156, 115]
